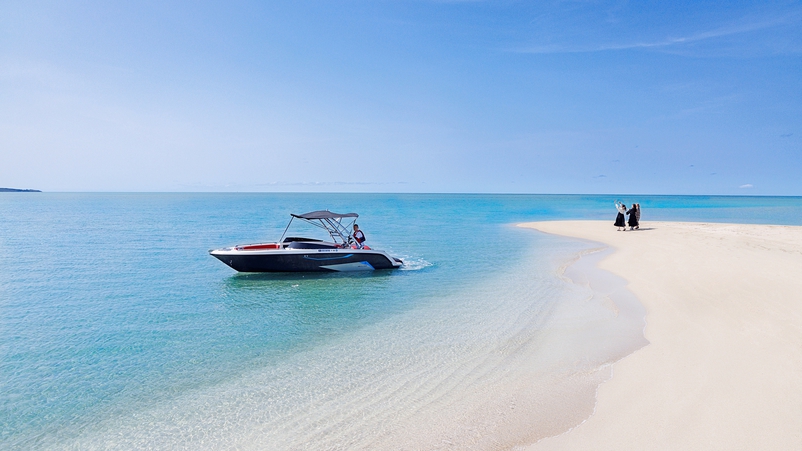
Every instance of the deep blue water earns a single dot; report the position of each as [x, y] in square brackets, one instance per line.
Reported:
[110, 302]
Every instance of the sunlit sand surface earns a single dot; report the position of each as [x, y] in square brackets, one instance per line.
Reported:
[723, 369]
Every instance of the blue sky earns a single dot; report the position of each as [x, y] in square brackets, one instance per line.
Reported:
[402, 96]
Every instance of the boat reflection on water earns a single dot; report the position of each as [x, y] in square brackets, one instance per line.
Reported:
[290, 310]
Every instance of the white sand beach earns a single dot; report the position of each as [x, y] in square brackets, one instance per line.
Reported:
[723, 369]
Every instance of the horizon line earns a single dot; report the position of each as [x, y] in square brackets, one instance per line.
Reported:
[464, 193]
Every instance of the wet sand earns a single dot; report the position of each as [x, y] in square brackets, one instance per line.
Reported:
[723, 369]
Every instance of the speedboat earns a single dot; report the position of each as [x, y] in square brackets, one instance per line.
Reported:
[297, 254]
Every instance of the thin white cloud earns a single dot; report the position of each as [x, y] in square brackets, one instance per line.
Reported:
[747, 186]
[669, 41]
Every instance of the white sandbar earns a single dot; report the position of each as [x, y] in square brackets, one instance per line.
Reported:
[724, 319]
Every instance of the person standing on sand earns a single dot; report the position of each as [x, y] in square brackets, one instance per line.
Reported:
[633, 217]
[619, 218]
[637, 215]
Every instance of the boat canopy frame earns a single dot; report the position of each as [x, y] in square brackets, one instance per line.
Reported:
[329, 221]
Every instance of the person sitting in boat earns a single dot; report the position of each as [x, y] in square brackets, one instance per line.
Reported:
[359, 237]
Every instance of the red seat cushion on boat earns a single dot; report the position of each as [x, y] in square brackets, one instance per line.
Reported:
[253, 247]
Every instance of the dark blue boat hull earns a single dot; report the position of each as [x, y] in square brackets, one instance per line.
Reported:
[311, 262]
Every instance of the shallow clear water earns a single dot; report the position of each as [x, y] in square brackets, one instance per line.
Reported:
[120, 331]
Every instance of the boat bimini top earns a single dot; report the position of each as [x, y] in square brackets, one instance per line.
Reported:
[331, 222]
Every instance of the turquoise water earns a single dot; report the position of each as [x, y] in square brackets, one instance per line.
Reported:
[120, 331]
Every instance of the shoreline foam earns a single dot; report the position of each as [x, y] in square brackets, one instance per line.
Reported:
[724, 313]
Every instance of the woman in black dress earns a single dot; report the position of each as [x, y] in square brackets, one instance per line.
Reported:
[633, 217]
[619, 218]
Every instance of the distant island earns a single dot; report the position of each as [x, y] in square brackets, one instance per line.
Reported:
[14, 190]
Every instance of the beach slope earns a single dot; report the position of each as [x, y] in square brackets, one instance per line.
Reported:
[724, 319]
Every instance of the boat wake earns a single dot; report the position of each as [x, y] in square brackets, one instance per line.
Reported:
[414, 263]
